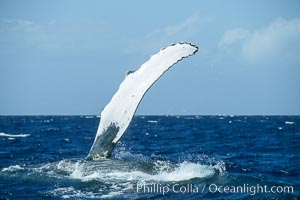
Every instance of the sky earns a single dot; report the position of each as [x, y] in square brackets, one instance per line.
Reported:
[64, 57]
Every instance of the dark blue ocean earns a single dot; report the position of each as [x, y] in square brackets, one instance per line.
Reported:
[173, 157]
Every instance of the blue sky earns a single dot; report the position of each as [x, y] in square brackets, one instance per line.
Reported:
[69, 57]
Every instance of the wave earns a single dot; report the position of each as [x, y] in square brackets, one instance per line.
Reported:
[111, 170]
[152, 121]
[89, 117]
[289, 122]
[14, 135]
[184, 171]
[12, 168]
[72, 192]
[119, 176]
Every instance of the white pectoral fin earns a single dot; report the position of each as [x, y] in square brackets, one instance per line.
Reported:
[117, 114]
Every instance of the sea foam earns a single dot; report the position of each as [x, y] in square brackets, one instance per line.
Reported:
[13, 135]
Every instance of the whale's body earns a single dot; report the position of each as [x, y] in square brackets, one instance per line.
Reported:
[117, 114]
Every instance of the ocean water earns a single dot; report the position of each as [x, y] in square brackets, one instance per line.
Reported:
[173, 157]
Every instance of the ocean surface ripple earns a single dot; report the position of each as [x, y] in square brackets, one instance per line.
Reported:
[43, 157]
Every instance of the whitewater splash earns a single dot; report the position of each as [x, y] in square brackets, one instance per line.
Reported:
[119, 173]
[119, 176]
[13, 135]
[118, 113]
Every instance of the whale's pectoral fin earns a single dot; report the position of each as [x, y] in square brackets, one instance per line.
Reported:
[117, 114]
[129, 72]
[103, 144]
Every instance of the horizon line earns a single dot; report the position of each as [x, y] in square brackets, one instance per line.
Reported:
[230, 115]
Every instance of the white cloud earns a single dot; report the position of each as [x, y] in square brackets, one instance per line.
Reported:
[19, 33]
[278, 40]
[50, 36]
[233, 36]
[8, 25]
[186, 27]
[185, 30]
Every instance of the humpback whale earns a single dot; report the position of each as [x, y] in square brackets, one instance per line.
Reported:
[117, 114]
